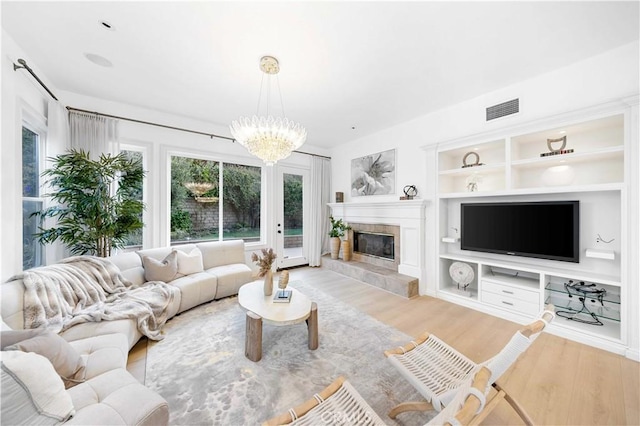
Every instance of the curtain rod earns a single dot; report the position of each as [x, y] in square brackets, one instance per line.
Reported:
[23, 64]
[211, 135]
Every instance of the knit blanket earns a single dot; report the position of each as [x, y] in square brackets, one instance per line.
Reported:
[84, 289]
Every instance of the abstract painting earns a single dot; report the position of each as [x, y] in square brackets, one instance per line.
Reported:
[374, 174]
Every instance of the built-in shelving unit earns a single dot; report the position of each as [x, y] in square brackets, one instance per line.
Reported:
[592, 171]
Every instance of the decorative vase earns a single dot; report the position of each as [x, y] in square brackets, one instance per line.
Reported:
[346, 250]
[268, 283]
[335, 247]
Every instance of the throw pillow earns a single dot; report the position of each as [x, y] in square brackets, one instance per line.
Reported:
[31, 391]
[190, 263]
[11, 337]
[64, 358]
[165, 270]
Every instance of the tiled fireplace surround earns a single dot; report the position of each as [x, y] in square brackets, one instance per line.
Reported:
[404, 219]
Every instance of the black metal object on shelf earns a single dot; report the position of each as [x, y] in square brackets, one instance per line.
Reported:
[584, 292]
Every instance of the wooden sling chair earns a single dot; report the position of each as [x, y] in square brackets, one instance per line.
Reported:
[340, 403]
[437, 370]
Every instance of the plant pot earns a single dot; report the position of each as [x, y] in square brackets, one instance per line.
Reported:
[268, 283]
[334, 244]
[346, 250]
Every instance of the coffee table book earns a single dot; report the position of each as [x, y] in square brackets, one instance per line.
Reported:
[282, 296]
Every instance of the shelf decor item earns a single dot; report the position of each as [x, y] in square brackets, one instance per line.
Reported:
[583, 292]
[466, 157]
[410, 191]
[472, 182]
[462, 274]
[265, 263]
[557, 151]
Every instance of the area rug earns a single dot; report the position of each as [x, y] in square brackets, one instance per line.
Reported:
[201, 370]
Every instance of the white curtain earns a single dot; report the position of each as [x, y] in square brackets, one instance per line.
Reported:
[57, 143]
[320, 193]
[94, 134]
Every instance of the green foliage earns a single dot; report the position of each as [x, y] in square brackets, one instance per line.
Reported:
[96, 206]
[338, 227]
[293, 200]
[242, 192]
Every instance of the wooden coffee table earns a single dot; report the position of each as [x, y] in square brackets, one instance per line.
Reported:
[261, 308]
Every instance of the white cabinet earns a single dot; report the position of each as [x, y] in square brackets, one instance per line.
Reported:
[515, 166]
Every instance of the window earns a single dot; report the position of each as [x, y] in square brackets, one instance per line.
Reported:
[199, 210]
[32, 250]
[134, 239]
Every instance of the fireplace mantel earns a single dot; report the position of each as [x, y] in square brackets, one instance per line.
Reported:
[409, 215]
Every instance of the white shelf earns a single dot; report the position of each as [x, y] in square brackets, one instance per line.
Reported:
[515, 171]
[535, 191]
[571, 158]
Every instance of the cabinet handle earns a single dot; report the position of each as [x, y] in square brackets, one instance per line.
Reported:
[508, 292]
[507, 303]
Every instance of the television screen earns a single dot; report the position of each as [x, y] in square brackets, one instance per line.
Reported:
[548, 229]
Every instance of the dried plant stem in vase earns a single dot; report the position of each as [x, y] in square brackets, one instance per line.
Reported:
[265, 262]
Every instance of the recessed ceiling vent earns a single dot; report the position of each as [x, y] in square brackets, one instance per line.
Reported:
[503, 109]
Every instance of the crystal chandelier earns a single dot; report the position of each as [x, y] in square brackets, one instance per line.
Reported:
[268, 138]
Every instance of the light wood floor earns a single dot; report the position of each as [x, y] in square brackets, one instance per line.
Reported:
[559, 382]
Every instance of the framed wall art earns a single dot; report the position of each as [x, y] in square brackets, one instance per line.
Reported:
[374, 174]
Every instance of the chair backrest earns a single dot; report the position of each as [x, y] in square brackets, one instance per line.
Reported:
[518, 344]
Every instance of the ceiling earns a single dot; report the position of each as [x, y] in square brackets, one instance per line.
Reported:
[348, 69]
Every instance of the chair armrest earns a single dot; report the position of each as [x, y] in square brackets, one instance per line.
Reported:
[408, 347]
[302, 409]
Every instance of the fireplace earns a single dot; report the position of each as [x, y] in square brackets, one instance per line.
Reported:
[374, 244]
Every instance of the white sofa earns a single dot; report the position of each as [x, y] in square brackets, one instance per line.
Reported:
[222, 272]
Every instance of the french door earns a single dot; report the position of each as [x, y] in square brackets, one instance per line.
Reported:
[291, 217]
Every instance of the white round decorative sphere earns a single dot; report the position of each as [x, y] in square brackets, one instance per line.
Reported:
[461, 273]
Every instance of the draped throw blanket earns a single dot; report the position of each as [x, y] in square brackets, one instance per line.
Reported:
[83, 289]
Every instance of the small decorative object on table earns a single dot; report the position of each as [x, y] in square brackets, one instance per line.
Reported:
[410, 191]
[265, 262]
[557, 151]
[283, 295]
[467, 155]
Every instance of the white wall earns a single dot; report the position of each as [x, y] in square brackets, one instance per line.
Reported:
[20, 93]
[611, 75]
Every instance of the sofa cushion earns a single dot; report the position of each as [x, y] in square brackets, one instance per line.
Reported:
[230, 278]
[31, 391]
[64, 358]
[128, 327]
[196, 289]
[130, 265]
[218, 253]
[189, 263]
[101, 354]
[11, 337]
[117, 398]
[164, 270]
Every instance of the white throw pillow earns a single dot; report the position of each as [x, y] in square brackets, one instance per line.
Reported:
[190, 263]
[31, 391]
[165, 270]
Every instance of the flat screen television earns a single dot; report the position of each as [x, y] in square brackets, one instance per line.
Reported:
[546, 229]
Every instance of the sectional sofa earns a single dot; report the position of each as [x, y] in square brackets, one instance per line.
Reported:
[106, 393]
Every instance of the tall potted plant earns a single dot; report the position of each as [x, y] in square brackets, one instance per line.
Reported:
[337, 231]
[96, 202]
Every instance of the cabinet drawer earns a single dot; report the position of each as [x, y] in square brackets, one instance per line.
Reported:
[530, 296]
[511, 303]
